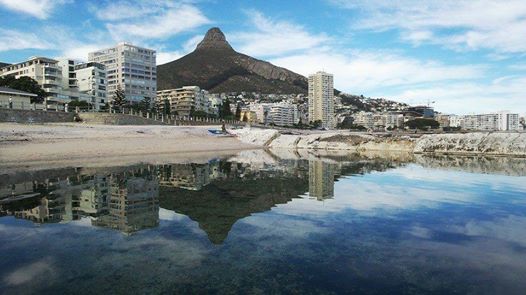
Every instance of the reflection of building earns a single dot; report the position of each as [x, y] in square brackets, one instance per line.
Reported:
[127, 201]
[321, 180]
[133, 203]
[186, 176]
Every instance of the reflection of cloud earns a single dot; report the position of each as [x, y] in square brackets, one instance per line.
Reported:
[281, 225]
[169, 215]
[509, 229]
[420, 232]
[39, 270]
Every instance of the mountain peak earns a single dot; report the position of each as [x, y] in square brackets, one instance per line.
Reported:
[214, 39]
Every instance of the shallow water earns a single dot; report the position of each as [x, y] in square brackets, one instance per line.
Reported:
[268, 223]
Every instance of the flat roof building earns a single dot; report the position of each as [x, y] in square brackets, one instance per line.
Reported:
[131, 68]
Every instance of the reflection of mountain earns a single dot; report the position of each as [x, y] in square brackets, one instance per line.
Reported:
[219, 205]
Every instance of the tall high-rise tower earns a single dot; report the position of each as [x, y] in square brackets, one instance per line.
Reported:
[131, 68]
[321, 99]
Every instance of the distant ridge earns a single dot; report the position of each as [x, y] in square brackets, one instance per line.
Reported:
[215, 66]
[3, 64]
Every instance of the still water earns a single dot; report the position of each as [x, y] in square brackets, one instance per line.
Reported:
[265, 223]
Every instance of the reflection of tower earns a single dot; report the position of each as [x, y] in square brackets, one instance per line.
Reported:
[321, 180]
[133, 202]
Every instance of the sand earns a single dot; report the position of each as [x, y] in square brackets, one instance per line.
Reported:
[70, 144]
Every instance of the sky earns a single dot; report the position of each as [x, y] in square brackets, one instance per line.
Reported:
[466, 56]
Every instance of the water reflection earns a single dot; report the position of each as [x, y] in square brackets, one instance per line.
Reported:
[270, 223]
[126, 201]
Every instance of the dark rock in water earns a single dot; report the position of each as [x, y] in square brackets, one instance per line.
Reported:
[215, 66]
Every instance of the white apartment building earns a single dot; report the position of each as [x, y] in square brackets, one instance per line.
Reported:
[45, 71]
[321, 99]
[501, 121]
[284, 114]
[262, 111]
[131, 67]
[91, 83]
[365, 119]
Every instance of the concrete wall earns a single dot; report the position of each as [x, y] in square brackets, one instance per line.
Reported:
[30, 116]
[116, 119]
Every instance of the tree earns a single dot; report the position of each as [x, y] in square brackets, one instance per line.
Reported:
[25, 84]
[166, 107]
[119, 98]
[224, 111]
[422, 124]
[315, 124]
[238, 111]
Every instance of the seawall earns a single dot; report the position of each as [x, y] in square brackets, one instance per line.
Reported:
[31, 116]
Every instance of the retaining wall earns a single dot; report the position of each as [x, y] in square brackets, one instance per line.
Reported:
[32, 116]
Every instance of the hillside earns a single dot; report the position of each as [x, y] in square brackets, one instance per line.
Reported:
[215, 66]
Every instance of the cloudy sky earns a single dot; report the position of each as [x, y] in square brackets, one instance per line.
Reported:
[467, 56]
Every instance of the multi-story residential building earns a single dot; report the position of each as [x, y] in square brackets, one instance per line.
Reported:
[456, 121]
[365, 119]
[502, 121]
[131, 68]
[262, 111]
[91, 83]
[443, 120]
[284, 114]
[214, 103]
[182, 101]
[321, 99]
[45, 71]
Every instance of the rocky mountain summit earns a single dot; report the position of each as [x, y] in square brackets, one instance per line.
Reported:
[215, 66]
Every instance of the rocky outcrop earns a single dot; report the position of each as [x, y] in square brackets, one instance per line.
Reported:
[479, 143]
[473, 143]
[215, 66]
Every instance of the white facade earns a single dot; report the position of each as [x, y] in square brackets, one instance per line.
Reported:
[365, 119]
[321, 99]
[284, 114]
[91, 83]
[501, 121]
[132, 68]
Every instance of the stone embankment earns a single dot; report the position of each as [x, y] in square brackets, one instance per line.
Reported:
[483, 143]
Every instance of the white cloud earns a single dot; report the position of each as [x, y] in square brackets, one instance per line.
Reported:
[16, 40]
[471, 97]
[364, 72]
[118, 10]
[191, 43]
[272, 38]
[37, 8]
[168, 56]
[167, 23]
[460, 24]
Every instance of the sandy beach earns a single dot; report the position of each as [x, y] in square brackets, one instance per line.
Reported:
[23, 145]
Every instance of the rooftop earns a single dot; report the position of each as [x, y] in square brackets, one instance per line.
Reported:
[15, 91]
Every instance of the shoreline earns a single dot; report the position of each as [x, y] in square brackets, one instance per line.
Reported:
[461, 144]
[31, 146]
[26, 146]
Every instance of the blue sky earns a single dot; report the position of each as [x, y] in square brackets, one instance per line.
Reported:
[467, 56]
